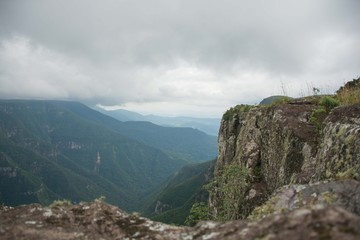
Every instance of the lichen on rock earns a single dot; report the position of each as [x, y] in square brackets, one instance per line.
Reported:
[280, 145]
[98, 220]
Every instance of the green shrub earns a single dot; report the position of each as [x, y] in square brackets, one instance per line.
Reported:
[318, 116]
[329, 103]
[60, 203]
[234, 110]
[230, 185]
[198, 212]
[281, 100]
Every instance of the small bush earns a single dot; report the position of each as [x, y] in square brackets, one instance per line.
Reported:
[238, 108]
[329, 103]
[281, 100]
[60, 203]
[198, 212]
[318, 116]
[350, 92]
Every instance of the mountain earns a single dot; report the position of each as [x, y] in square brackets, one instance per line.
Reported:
[56, 149]
[208, 125]
[188, 144]
[185, 143]
[172, 202]
[271, 99]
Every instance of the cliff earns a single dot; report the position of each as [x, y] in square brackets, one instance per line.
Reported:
[283, 144]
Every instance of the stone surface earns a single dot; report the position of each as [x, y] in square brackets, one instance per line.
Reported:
[317, 222]
[280, 145]
[339, 152]
[98, 220]
[95, 220]
[342, 193]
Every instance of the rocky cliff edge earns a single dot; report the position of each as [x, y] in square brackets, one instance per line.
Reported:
[284, 144]
[98, 220]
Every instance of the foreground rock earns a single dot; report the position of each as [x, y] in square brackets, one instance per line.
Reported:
[317, 222]
[342, 193]
[98, 220]
[95, 220]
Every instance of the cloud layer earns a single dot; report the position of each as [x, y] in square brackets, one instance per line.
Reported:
[177, 57]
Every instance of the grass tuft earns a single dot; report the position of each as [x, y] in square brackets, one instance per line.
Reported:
[349, 93]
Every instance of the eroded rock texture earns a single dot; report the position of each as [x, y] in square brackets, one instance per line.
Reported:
[94, 220]
[341, 193]
[98, 220]
[280, 145]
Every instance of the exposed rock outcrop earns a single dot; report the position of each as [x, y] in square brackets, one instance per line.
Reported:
[281, 145]
[339, 151]
[342, 193]
[316, 222]
[98, 220]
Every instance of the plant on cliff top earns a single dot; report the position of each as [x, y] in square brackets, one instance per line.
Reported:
[350, 93]
[230, 185]
[60, 203]
[319, 114]
[281, 100]
[329, 103]
[317, 117]
[233, 110]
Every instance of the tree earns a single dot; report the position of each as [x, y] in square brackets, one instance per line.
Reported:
[198, 212]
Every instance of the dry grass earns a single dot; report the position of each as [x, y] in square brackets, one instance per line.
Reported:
[349, 96]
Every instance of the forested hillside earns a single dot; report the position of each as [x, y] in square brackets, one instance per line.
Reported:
[172, 202]
[53, 150]
[208, 125]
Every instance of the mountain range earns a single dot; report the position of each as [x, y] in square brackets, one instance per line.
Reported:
[65, 150]
[209, 126]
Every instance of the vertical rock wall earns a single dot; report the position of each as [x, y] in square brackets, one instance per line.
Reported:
[279, 145]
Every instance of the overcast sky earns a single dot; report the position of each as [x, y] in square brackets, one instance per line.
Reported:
[176, 57]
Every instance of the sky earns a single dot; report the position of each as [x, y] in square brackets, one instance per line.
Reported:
[176, 57]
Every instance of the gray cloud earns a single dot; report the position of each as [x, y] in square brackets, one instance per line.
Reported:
[179, 56]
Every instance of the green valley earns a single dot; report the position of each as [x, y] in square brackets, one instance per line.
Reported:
[64, 150]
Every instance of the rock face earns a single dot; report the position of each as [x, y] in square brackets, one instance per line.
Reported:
[281, 145]
[342, 193]
[99, 220]
[306, 223]
[339, 152]
[94, 220]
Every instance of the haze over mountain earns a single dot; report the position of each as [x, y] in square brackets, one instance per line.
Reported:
[172, 201]
[55, 149]
[208, 125]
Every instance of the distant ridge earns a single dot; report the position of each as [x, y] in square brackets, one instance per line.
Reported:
[271, 99]
[208, 125]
